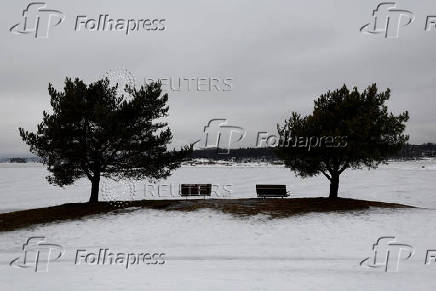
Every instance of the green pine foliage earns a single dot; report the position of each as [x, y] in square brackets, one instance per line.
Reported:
[92, 132]
[354, 128]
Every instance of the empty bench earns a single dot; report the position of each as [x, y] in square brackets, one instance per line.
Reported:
[187, 190]
[271, 191]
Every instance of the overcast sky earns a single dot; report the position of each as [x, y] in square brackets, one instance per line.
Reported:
[279, 55]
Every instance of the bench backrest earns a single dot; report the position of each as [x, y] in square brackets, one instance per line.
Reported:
[195, 189]
[271, 190]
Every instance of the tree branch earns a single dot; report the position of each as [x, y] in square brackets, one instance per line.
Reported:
[327, 175]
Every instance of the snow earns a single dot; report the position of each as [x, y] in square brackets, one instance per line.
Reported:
[413, 183]
[209, 250]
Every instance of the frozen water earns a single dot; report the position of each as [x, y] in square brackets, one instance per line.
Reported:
[209, 250]
[413, 183]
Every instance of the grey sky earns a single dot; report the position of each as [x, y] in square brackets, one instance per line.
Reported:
[281, 55]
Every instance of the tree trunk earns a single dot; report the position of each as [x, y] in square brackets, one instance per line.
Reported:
[334, 186]
[95, 189]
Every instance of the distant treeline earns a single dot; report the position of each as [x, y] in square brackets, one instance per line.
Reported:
[20, 160]
[417, 151]
[267, 154]
[241, 154]
[17, 160]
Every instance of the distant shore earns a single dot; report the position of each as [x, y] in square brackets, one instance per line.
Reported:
[274, 208]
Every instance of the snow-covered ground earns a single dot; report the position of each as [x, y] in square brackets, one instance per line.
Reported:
[208, 250]
[23, 186]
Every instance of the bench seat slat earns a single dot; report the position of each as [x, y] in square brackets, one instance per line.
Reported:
[195, 190]
[264, 191]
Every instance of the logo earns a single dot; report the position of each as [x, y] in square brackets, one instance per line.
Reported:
[218, 134]
[387, 20]
[118, 193]
[38, 20]
[222, 137]
[107, 23]
[189, 84]
[38, 254]
[121, 78]
[430, 257]
[387, 254]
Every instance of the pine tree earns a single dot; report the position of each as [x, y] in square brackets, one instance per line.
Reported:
[94, 133]
[352, 129]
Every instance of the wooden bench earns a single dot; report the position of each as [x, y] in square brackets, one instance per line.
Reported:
[271, 191]
[187, 190]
